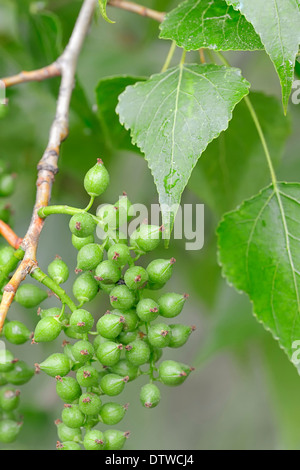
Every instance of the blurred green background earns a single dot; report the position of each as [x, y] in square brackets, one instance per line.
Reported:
[244, 393]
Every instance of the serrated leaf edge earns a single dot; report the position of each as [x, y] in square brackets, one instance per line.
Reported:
[230, 283]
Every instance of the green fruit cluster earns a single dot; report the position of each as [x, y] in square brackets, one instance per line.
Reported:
[7, 187]
[104, 354]
[12, 373]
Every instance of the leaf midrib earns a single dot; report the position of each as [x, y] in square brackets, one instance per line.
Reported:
[278, 194]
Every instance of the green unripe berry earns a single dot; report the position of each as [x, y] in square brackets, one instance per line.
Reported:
[9, 430]
[147, 310]
[72, 416]
[110, 326]
[107, 272]
[146, 238]
[109, 216]
[91, 421]
[81, 321]
[20, 374]
[124, 368]
[131, 320]
[82, 225]
[87, 376]
[150, 396]
[138, 352]
[68, 352]
[187, 369]
[109, 353]
[89, 256]
[6, 360]
[159, 335]
[136, 278]
[171, 304]
[79, 243]
[126, 337]
[173, 373]
[155, 286]
[106, 287]
[68, 389]
[160, 270]
[113, 384]
[51, 312]
[180, 335]
[116, 237]
[56, 364]
[29, 295]
[85, 287]
[156, 354]
[68, 445]
[90, 404]
[16, 332]
[9, 399]
[96, 179]
[119, 254]
[112, 413]
[124, 204]
[7, 185]
[115, 440]
[68, 434]
[47, 329]
[3, 380]
[58, 271]
[98, 340]
[71, 333]
[83, 351]
[94, 440]
[121, 297]
[6, 253]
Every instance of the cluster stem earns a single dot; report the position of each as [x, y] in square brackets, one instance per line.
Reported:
[41, 277]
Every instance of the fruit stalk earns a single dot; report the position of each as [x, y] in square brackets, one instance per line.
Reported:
[41, 277]
[139, 9]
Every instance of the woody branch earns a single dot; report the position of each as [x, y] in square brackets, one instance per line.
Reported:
[47, 167]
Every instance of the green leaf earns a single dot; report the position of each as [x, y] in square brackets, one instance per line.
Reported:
[233, 167]
[41, 33]
[173, 116]
[259, 253]
[102, 6]
[107, 93]
[41, 37]
[215, 25]
[278, 24]
[82, 107]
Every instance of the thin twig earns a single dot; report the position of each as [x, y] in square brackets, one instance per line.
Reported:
[47, 167]
[53, 70]
[10, 235]
[139, 9]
